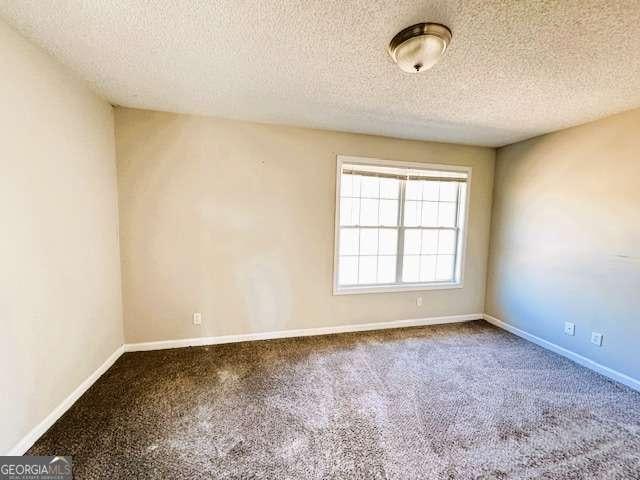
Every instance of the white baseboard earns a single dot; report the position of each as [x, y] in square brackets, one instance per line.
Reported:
[304, 332]
[25, 444]
[584, 361]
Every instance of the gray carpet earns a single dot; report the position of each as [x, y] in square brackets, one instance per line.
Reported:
[456, 401]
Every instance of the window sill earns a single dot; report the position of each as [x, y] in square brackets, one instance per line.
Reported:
[396, 288]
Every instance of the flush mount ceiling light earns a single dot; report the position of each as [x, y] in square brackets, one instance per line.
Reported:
[419, 47]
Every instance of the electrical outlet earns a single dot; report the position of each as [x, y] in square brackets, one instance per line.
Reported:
[419, 301]
[596, 338]
[569, 328]
[197, 318]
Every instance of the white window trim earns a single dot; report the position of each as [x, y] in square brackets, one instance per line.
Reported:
[355, 289]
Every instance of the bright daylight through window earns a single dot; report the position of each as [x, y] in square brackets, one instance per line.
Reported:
[399, 226]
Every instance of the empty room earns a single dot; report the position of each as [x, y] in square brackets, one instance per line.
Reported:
[259, 239]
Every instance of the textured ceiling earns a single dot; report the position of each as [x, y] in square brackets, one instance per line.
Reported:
[514, 69]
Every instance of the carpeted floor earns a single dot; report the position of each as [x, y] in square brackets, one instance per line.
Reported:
[446, 402]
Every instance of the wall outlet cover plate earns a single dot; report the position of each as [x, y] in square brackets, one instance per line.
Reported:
[569, 328]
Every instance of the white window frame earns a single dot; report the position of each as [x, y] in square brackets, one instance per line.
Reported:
[386, 288]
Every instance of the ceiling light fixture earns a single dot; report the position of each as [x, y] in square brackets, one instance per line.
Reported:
[419, 47]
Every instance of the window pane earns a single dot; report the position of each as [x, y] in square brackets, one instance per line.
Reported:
[446, 214]
[389, 212]
[412, 242]
[355, 188]
[462, 195]
[413, 190]
[430, 191]
[368, 241]
[367, 270]
[387, 269]
[349, 211]
[429, 242]
[410, 267]
[369, 212]
[449, 191]
[348, 270]
[388, 243]
[429, 214]
[348, 241]
[370, 187]
[427, 268]
[447, 242]
[445, 267]
[346, 185]
[389, 188]
[411, 213]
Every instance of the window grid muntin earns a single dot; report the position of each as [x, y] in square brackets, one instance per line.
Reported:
[359, 249]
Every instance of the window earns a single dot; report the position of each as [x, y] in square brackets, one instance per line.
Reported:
[399, 226]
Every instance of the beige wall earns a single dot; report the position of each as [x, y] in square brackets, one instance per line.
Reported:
[236, 220]
[565, 242]
[60, 301]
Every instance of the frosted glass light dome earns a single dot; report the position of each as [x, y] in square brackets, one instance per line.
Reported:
[419, 47]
